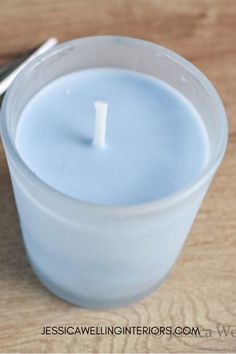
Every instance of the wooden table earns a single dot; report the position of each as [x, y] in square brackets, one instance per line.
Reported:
[201, 289]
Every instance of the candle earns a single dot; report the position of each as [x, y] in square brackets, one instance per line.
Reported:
[155, 144]
[111, 144]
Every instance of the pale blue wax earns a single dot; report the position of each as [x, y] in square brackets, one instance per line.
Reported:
[156, 143]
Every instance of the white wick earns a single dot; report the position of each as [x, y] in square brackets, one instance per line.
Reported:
[100, 124]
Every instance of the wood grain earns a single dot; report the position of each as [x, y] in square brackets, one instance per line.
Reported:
[201, 289]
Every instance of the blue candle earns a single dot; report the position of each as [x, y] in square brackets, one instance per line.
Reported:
[89, 123]
[155, 143]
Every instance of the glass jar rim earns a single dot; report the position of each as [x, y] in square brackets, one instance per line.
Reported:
[158, 204]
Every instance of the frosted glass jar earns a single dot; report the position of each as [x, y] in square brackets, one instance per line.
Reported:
[102, 256]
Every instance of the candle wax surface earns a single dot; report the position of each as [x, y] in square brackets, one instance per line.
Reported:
[156, 143]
